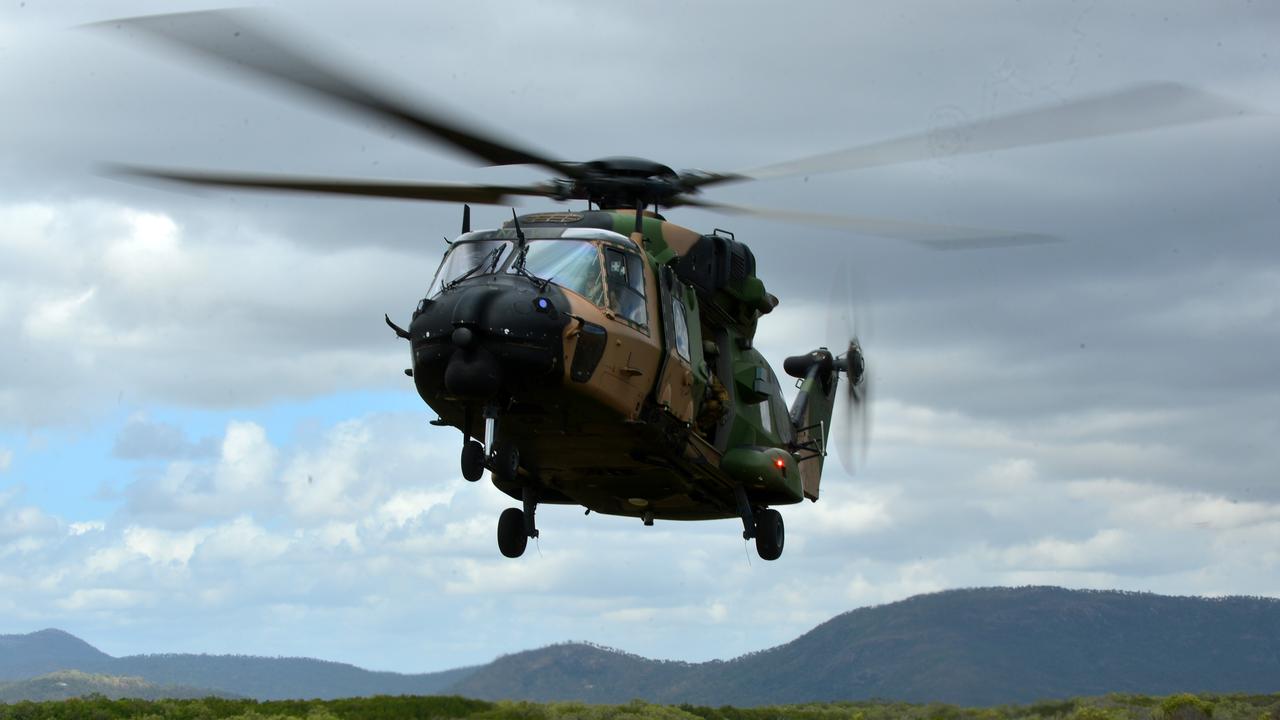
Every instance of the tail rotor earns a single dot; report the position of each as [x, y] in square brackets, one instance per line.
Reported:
[848, 326]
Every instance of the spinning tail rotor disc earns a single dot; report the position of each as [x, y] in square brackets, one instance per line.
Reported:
[848, 326]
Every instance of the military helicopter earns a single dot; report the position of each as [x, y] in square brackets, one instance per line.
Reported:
[604, 357]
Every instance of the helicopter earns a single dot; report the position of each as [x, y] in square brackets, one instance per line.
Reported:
[604, 357]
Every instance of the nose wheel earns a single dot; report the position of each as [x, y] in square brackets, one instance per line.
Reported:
[504, 459]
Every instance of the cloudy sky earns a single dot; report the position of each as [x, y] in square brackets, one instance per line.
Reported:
[207, 444]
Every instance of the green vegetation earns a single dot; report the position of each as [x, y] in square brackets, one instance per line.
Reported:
[1110, 707]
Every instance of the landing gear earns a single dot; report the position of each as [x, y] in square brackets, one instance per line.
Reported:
[516, 526]
[485, 451]
[765, 525]
[512, 538]
[472, 460]
[770, 534]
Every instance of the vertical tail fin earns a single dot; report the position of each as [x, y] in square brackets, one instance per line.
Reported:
[811, 412]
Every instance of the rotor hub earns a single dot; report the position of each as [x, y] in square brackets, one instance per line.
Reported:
[625, 182]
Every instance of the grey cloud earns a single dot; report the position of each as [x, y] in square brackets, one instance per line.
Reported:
[1143, 446]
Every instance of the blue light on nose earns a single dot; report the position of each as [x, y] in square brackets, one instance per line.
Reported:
[542, 304]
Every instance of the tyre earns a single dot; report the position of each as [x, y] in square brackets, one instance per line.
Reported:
[511, 536]
[472, 461]
[770, 534]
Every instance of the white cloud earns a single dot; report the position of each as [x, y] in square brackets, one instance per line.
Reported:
[23, 528]
[105, 599]
[241, 543]
[247, 462]
[844, 510]
[404, 506]
[634, 616]
[6, 459]
[243, 475]
[1101, 549]
[1156, 507]
[80, 528]
[328, 483]
[149, 257]
[95, 290]
[53, 318]
[164, 547]
[392, 542]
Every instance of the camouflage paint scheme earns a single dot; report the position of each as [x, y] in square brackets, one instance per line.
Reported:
[640, 436]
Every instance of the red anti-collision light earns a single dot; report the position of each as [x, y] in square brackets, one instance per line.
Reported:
[779, 463]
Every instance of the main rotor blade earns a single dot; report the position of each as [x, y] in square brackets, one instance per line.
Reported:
[241, 40]
[934, 237]
[439, 191]
[1141, 107]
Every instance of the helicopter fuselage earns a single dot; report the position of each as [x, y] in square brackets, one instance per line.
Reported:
[622, 387]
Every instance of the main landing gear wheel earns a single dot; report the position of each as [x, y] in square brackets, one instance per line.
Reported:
[770, 534]
[472, 460]
[512, 535]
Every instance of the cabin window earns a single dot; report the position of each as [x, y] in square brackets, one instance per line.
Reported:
[625, 274]
[681, 328]
[783, 425]
[571, 264]
[469, 259]
[766, 416]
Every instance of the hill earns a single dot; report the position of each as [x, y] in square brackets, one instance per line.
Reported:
[265, 678]
[42, 652]
[25, 657]
[66, 684]
[971, 647]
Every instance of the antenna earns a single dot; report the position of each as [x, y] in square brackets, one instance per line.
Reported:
[522, 246]
[466, 218]
[516, 222]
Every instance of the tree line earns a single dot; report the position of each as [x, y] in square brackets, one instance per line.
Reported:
[1109, 707]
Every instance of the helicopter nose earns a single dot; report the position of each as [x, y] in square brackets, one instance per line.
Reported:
[474, 374]
[463, 338]
[488, 338]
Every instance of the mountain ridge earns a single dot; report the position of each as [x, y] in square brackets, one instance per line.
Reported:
[976, 646]
[28, 656]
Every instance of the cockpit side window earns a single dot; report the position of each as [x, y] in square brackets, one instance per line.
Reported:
[469, 259]
[624, 272]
